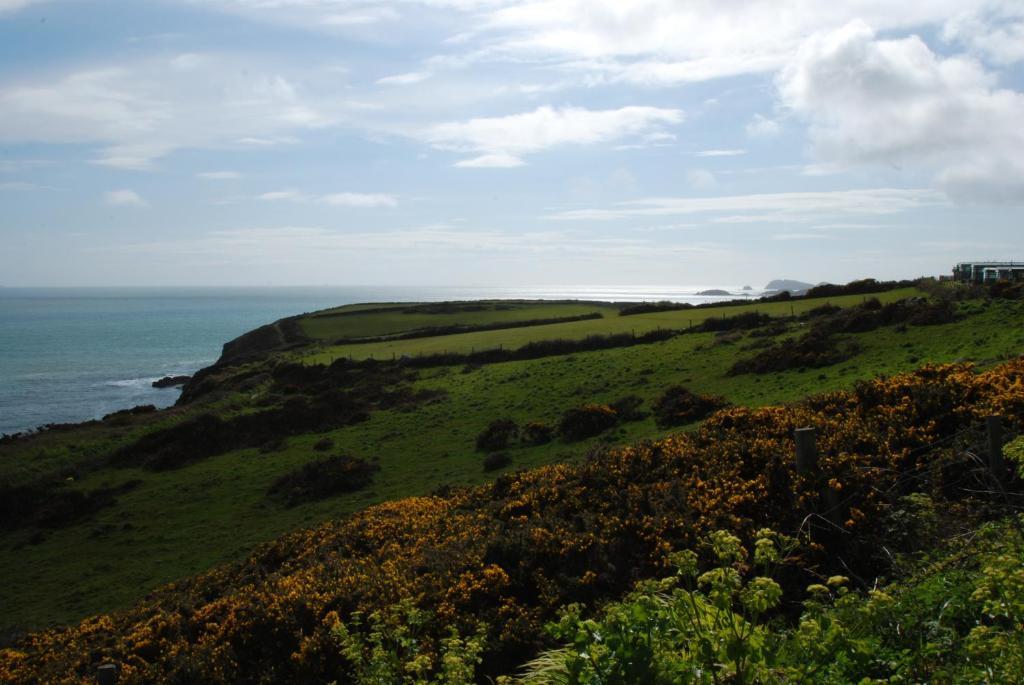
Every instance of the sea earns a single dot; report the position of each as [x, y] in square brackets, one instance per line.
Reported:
[74, 354]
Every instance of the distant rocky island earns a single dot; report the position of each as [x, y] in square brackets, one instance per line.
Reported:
[794, 287]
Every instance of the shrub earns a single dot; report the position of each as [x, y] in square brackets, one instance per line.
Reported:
[497, 435]
[323, 445]
[823, 310]
[678, 406]
[587, 421]
[323, 478]
[496, 460]
[812, 351]
[628, 408]
[537, 433]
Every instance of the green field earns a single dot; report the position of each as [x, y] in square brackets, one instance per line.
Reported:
[361, 321]
[179, 522]
[576, 330]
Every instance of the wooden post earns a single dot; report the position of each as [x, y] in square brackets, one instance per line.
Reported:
[806, 450]
[106, 674]
[994, 430]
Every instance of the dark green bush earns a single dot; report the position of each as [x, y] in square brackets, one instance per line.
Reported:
[496, 460]
[498, 434]
[628, 408]
[323, 478]
[587, 421]
[678, 406]
[537, 433]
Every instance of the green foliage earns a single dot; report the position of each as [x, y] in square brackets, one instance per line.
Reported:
[392, 647]
[689, 628]
[957, 621]
[1014, 453]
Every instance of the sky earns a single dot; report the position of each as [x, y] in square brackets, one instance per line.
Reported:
[506, 142]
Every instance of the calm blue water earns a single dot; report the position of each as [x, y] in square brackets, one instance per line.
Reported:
[71, 355]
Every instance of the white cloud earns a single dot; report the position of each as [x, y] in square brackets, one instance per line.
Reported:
[501, 141]
[996, 32]
[667, 42]
[365, 200]
[12, 5]
[404, 79]
[18, 185]
[898, 104]
[499, 160]
[123, 198]
[721, 153]
[281, 195]
[762, 127]
[360, 200]
[768, 206]
[360, 17]
[218, 175]
[139, 113]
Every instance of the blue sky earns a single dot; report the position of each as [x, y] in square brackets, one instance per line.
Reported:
[500, 142]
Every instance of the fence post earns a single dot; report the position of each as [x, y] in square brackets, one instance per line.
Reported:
[806, 450]
[994, 430]
[106, 674]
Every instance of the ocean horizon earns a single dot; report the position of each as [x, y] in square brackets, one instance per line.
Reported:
[75, 354]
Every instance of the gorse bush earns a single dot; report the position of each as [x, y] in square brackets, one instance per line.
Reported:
[811, 351]
[509, 555]
[537, 433]
[587, 421]
[322, 478]
[678, 406]
[628, 408]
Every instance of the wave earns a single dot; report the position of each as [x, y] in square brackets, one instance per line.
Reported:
[133, 382]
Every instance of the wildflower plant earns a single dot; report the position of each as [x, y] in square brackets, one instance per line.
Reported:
[392, 647]
[691, 627]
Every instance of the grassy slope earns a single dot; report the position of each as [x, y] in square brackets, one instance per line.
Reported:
[640, 323]
[183, 521]
[345, 322]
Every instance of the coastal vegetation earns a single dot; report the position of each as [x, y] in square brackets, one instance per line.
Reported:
[459, 491]
[500, 561]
